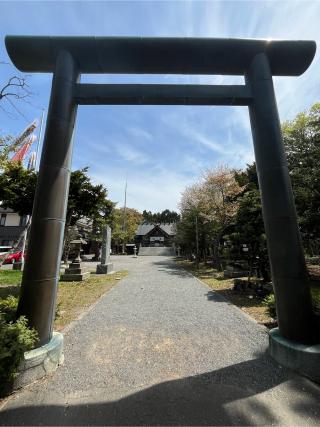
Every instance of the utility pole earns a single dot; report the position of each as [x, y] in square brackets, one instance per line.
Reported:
[124, 217]
[197, 241]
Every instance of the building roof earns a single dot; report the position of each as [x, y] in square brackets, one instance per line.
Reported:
[144, 228]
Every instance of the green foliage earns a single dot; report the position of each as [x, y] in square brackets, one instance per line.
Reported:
[164, 217]
[8, 308]
[248, 227]
[302, 144]
[85, 198]
[270, 303]
[124, 225]
[17, 187]
[15, 338]
[8, 146]
[315, 294]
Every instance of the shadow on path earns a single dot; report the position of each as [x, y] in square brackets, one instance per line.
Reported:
[170, 267]
[227, 396]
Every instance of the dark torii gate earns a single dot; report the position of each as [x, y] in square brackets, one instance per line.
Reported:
[258, 60]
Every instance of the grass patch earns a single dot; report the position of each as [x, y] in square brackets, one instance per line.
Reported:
[10, 283]
[251, 304]
[10, 277]
[73, 297]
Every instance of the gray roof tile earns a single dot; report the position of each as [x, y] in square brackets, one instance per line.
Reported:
[144, 229]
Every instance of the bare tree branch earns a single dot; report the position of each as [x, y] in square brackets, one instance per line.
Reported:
[13, 91]
[16, 87]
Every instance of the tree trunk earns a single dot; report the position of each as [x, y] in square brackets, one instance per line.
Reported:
[216, 256]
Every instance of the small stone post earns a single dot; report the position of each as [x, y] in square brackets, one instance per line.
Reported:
[105, 267]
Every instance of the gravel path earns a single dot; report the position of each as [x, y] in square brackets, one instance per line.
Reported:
[162, 349]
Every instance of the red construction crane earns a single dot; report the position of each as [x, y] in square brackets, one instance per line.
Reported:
[26, 139]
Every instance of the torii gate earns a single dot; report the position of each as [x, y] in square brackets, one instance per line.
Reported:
[258, 60]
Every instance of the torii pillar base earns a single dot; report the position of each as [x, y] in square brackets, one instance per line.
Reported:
[301, 358]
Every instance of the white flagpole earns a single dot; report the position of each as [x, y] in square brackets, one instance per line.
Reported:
[39, 139]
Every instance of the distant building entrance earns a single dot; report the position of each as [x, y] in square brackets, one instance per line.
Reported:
[155, 235]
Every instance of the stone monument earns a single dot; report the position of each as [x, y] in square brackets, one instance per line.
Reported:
[76, 271]
[105, 267]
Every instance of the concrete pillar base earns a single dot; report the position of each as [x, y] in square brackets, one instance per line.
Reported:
[301, 358]
[105, 268]
[40, 362]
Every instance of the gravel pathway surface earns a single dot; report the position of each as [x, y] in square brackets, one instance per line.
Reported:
[162, 349]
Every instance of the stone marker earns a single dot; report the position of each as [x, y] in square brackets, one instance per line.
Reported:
[105, 267]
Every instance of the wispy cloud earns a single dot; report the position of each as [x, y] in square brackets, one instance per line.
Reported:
[139, 133]
[153, 192]
[131, 154]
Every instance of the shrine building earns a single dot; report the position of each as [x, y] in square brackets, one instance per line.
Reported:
[154, 235]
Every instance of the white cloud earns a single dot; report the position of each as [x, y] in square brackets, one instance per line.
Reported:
[132, 155]
[152, 191]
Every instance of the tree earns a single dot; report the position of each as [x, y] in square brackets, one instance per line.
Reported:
[86, 200]
[248, 227]
[164, 217]
[17, 188]
[12, 90]
[302, 144]
[99, 221]
[191, 230]
[210, 205]
[8, 145]
[220, 192]
[121, 235]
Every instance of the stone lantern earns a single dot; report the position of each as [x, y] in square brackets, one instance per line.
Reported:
[76, 272]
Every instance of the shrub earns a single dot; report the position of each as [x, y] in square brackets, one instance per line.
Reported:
[270, 303]
[15, 338]
[314, 260]
[315, 293]
[8, 308]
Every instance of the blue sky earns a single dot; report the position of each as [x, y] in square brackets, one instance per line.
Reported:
[160, 149]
